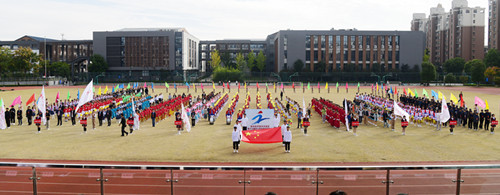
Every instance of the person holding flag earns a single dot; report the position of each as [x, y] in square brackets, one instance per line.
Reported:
[236, 139]
[38, 121]
[29, 115]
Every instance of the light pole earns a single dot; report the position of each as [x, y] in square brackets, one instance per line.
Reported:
[45, 55]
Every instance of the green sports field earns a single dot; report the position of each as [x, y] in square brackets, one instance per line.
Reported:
[212, 143]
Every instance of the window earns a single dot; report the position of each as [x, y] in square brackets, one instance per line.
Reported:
[360, 55]
[467, 11]
[315, 55]
[222, 47]
[323, 42]
[353, 56]
[330, 42]
[308, 56]
[345, 41]
[245, 47]
[345, 55]
[337, 54]
[397, 55]
[368, 40]
[308, 41]
[353, 41]
[337, 41]
[315, 41]
[367, 56]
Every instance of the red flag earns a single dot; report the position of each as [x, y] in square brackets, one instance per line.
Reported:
[238, 85]
[346, 86]
[257, 85]
[227, 85]
[57, 97]
[32, 99]
[293, 85]
[396, 89]
[262, 136]
[404, 91]
[223, 85]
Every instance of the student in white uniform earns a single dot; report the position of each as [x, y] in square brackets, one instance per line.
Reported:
[283, 129]
[244, 122]
[236, 139]
[239, 129]
[287, 139]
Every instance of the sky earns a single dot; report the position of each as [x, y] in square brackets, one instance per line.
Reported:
[208, 19]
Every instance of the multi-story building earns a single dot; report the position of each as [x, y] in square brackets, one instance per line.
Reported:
[458, 33]
[493, 25]
[419, 22]
[337, 48]
[231, 47]
[74, 52]
[148, 49]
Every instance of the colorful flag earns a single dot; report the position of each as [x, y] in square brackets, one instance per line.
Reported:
[3, 124]
[166, 85]
[262, 136]
[434, 94]
[106, 90]
[410, 93]
[440, 95]
[223, 85]
[487, 105]
[416, 93]
[479, 102]
[346, 114]
[308, 85]
[282, 85]
[238, 85]
[112, 90]
[337, 85]
[16, 101]
[213, 85]
[145, 85]
[175, 85]
[372, 87]
[453, 98]
[99, 92]
[274, 86]
[245, 85]
[185, 119]
[404, 91]
[326, 86]
[201, 86]
[31, 100]
[194, 86]
[358, 85]
[377, 87]
[152, 86]
[128, 86]
[258, 85]
[66, 97]
[346, 85]
[187, 84]
[396, 89]
[301, 85]
[41, 105]
[398, 111]
[78, 94]
[318, 86]
[424, 93]
[57, 96]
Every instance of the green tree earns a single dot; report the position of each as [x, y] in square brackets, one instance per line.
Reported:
[449, 78]
[468, 67]
[477, 72]
[226, 59]
[492, 58]
[426, 55]
[320, 66]
[215, 61]
[59, 69]
[416, 68]
[405, 68]
[24, 60]
[454, 65]
[240, 61]
[251, 60]
[261, 61]
[428, 73]
[298, 65]
[97, 64]
[5, 59]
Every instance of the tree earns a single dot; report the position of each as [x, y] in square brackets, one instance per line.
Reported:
[454, 65]
[426, 55]
[428, 73]
[5, 59]
[240, 61]
[215, 61]
[251, 60]
[376, 67]
[491, 72]
[477, 72]
[97, 64]
[226, 59]
[261, 61]
[468, 67]
[59, 69]
[298, 65]
[492, 58]
[416, 68]
[24, 60]
[449, 78]
[405, 68]
[320, 66]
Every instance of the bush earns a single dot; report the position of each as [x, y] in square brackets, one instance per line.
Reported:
[497, 80]
[449, 78]
[227, 74]
[464, 79]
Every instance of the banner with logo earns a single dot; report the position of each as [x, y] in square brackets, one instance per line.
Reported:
[260, 118]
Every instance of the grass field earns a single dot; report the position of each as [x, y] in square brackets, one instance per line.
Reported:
[212, 143]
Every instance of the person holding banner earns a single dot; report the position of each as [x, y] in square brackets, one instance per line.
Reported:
[404, 124]
[123, 124]
[283, 130]
[453, 122]
[47, 116]
[83, 122]
[130, 123]
[287, 139]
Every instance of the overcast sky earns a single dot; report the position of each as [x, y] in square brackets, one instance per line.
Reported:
[208, 19]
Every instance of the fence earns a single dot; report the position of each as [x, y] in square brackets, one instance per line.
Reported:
[46, 178]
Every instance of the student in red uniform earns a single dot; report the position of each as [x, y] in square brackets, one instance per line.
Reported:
[404, 126]
[38, 121]
[83, 121]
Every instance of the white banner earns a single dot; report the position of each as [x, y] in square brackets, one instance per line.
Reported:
[260, 118]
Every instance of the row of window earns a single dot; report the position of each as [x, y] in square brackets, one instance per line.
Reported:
[345, 54]
[361, 68]
[233, 46]
[350, 40]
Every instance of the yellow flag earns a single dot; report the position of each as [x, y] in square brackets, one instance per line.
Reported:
[213, 85]
[410, 93]
[440, 95]
[245, 85]
[453, 98]
[99, 93]
[487, 105]
[326, 86]
[274, 85]
[106, 90]
[194, 87]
